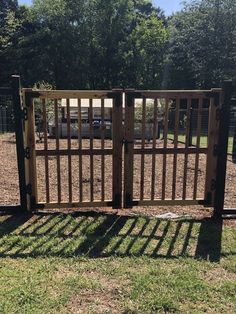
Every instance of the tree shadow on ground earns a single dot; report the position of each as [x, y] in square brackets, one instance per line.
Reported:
[103, 235]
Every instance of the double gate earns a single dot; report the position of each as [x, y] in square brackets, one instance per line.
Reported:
[147, 160]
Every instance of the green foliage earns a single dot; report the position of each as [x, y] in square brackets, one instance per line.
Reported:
[202, 45]
[101, 44]
[90, 44]
[149, 112]
[149, 40]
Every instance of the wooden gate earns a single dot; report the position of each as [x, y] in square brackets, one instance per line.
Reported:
[115, 149]
[171, 170]
[61, 116]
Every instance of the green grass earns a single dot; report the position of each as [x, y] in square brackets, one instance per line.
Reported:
[110, 264]
[203, 141]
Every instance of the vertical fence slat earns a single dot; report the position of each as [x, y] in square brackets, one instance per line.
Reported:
[129, 150]
[176, 136]
[45, 140]
[165, 136]
[198, 142]
[80, 149]
[154, 137]
[117, 138]
[69, 149]
[143, 138]
[91, 148]
[187, 135]
[57, 135]
[102, 147]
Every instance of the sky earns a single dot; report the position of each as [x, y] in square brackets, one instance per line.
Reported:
[169, 6]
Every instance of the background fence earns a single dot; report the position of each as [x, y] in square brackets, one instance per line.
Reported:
[9, 183]
[6, 114]
[232, 131]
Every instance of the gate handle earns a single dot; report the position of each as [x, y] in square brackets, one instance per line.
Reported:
[126, 142]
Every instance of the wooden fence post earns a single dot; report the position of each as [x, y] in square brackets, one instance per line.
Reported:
[17, 107]
[234, 147]
[222, 149]
[117, 137]
[30, 164]
[233, 104]
[129, 148]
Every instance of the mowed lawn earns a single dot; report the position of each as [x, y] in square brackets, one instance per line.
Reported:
[203, 141]
[93, 263]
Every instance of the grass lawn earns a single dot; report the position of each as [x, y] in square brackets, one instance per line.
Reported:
[203, 141]
[109, 264]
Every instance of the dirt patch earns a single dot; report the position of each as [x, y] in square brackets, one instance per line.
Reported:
[218, 275]
[94, 302]
[106, 299]
[63, 273]
[9, 187]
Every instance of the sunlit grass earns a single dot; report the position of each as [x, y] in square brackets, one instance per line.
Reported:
[203, 141]
[111, 264]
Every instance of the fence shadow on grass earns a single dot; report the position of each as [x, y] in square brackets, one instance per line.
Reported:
[99, 235]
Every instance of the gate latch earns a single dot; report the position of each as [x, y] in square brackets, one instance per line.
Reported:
[27, 153]
[126, 143]
[24, 113]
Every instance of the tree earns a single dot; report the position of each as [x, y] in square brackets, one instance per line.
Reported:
[149, 40]
[202, 44]
[92, 44]
[9, 26]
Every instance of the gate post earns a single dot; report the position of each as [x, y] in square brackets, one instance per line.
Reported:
[129, 148]
[222, 149]
[117, 138]
[233, 104]
[234, 147]
[30, 164]
[15, 83]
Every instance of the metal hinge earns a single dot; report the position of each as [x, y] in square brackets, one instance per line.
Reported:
[27, 153]
[24, 113]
